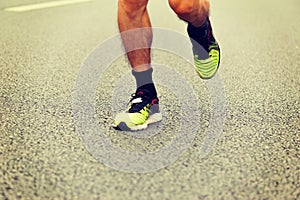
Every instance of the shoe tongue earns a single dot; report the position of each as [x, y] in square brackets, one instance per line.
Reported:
[139, 100]
[139, 96]
[142, 93]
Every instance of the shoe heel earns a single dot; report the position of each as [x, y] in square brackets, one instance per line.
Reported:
[154, 108]
[154, 118]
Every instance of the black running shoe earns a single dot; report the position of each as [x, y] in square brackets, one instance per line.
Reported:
[207, 65]
[142, 111]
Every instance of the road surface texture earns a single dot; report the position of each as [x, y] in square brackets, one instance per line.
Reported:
[43, 155]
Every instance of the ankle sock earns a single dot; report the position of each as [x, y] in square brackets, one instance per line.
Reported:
[144, 81]
[198, 33]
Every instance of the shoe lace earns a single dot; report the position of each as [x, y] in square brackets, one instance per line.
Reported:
[137, 102]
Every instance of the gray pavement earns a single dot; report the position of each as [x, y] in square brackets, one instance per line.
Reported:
[42, 155]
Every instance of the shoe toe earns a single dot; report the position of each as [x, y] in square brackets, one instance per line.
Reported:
[130, 119]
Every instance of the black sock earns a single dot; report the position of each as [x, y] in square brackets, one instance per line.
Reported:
[198, 33]
[144, 81]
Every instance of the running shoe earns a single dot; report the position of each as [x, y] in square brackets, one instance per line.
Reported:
[142, 111]
[208, 64]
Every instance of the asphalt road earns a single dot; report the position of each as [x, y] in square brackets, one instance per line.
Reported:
[44, 156]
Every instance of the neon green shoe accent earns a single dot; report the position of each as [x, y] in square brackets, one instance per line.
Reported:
[207, 68]
[133, 119]
[142, 111]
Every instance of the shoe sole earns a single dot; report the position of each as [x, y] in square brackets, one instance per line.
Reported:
[122, 126]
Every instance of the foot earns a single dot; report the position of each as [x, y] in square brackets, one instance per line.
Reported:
[206, 65]
[143, 110]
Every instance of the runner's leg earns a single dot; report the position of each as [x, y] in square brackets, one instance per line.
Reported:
[193, 11]
[136, 33]
[132, 14]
